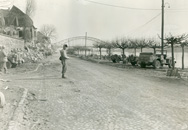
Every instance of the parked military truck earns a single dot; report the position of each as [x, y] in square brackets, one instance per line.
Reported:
[156, 60]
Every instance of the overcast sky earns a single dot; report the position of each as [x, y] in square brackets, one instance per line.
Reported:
[75, 17]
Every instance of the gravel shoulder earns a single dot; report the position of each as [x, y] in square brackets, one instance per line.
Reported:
[12, 97]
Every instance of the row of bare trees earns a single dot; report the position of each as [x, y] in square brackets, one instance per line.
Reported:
[177, 40]
[127, 43]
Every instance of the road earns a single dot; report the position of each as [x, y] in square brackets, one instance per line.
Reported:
[100, 97]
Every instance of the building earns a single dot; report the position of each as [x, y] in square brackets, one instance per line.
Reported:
[15, 23]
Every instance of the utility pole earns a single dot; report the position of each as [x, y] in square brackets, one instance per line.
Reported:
[162, 28]
[85, 43]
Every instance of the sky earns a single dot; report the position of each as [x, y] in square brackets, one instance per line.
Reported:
[75, 17]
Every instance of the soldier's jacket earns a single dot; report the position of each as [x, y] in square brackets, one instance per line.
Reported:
[3, 56]
[63, 54]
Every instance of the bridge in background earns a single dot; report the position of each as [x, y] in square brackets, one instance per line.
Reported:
[79, 41]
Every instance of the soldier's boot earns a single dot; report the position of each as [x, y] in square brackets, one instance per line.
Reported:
[63, 76]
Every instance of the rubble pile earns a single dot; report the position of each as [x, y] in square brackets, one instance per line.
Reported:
[26, 55]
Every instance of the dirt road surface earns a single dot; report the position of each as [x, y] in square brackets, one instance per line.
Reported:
[100, 97]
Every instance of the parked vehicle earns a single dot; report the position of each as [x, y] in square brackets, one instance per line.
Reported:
[156, 60]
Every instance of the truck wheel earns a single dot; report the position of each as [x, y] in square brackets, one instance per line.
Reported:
[157, 64]
[143, 65]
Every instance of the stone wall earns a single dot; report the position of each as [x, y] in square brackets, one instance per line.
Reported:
[11, 43]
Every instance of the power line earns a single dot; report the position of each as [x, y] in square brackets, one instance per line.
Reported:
[117, 6]
[144, 24]
[132, 8]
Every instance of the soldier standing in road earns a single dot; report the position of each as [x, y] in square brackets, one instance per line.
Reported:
[63, 59]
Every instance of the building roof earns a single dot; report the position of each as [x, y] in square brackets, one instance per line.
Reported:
[16, 17]
[24, 19]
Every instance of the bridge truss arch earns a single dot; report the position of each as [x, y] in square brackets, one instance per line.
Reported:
[88, 38]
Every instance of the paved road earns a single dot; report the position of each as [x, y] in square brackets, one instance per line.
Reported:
[99, 97]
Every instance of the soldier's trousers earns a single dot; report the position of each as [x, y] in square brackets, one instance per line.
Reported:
[3, 67]
[64, 67]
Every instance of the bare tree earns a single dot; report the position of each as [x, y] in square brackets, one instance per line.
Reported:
[109, 46]
[49, 31]
[122, 43]
[153, 44]
[142, 43]
[172, 40]
[133, 45]
[30, 7]
[100, 46]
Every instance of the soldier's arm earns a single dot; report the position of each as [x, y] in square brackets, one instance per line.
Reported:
[65, 55]
[5, 54]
